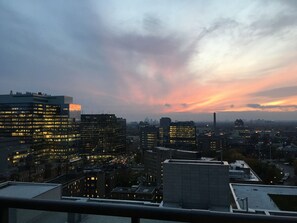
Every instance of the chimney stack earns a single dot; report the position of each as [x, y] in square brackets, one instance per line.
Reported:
[214, 123]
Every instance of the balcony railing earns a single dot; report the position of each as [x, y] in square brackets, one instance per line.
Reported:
[74, 212]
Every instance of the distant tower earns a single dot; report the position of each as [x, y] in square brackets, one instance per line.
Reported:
[214, 122]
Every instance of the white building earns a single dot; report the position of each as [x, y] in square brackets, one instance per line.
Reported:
[265, 199]
[196, 184]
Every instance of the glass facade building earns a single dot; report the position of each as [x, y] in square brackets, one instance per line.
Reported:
[102, 135]
[46, 123]
[182, 135]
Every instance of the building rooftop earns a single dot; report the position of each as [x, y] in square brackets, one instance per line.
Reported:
[178, 150]
[259, 195]
[146, 189]
[30, 97]
[197, 162]
[163, 148]
[26, 190]
[241, 171]
[124, 190]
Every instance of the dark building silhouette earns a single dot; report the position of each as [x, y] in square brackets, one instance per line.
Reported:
[12, 153]
[215, 123]
[102, 134]
[208, 142]
[98, 183]
[148, 137]
[165, 122]
[238, 123]
[164, 131]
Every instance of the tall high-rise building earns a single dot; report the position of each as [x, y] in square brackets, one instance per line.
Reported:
[182, 135]
[215, 123]
[46, 123]
[165, 122]
[164, 131]
[102, 134]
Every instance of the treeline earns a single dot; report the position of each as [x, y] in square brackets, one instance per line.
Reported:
[268, 172]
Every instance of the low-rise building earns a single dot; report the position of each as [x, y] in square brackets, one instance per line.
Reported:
[153, 160]
[240, 171]
[265, 199]
[196, 184]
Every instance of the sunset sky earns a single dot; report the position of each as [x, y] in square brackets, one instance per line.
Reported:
[137, 59]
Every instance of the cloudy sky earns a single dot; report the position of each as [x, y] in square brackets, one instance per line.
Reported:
[137, 59]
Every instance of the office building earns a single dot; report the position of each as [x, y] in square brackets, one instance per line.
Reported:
[196, 184]
[46, 123]
[165, 122]
[182, 135]
[102, 135]
[98, 183]
[148, 137]
[153, 161]
[164, 131]
[208, 141]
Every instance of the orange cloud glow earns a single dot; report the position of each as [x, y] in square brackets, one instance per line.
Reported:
[233, 96]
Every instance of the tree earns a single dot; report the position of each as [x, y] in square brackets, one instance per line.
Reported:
[232, 155]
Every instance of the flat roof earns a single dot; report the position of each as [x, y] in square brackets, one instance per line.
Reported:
[239, 163]
[252, 176]
[197, 162]
[124, 190]
[24, 190]
[145, 190]
[178, 150]
[163, 148]
[258, 195]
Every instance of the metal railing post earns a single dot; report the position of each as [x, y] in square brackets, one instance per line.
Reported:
[135, 212]
[70, 217]
[4, 215]
[135, 220]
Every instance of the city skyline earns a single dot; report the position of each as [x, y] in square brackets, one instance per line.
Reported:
[138, 59]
